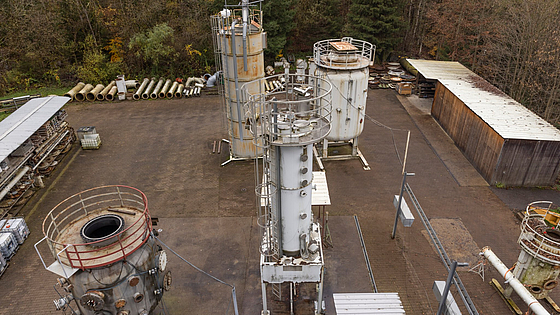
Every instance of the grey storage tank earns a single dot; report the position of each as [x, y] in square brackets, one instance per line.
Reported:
[102, 243]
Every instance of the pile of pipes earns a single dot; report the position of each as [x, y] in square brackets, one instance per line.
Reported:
[147, 89]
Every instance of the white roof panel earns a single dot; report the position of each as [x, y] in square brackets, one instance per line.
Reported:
[436, 70]
[21, 124]
[367, 303]
[506, 116]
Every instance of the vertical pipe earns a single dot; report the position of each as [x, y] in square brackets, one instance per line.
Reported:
[236, 78]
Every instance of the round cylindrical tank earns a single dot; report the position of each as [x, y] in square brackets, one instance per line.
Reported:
[344, 62]
[102, 239]
[295, 178]
[286, 123]
[538, 265]
[232, 45]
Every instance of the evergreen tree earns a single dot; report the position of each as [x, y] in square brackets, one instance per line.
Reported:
[376, 21]
[278, 22]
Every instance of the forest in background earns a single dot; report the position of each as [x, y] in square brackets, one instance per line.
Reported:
[514, 44]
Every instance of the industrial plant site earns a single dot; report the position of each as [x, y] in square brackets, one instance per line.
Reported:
[329, 184]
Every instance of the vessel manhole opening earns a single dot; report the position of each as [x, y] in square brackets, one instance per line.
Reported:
[535, 289]
[102, 227]
[553, 234]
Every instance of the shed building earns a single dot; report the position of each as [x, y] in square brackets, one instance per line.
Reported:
[505, 141]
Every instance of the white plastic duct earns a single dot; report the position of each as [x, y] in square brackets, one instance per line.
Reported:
[516, 285]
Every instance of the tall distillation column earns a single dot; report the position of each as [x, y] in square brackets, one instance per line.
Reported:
[344, 62]
[239, 41]
[538, 265]
[105, 254]
[286, 123]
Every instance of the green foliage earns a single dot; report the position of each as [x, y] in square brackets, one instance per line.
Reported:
[378, 22]
[96, 67]
[278, 22]
[153, 45]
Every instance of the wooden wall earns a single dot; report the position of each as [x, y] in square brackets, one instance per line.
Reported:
[478, 141]
[528, 163]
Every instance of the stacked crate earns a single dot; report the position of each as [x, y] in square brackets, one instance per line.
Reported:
[17, 227]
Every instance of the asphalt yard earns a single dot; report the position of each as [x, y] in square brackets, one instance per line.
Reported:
[207, 212]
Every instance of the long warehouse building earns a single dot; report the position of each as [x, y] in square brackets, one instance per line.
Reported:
[505, 141]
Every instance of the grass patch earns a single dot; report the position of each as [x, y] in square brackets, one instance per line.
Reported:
[44, 91]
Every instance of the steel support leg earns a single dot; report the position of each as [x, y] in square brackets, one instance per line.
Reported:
[265, 306]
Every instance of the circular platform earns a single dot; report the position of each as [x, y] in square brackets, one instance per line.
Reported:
[98, 227]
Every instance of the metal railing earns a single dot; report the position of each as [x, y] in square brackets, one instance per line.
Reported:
[86, 255]
[326, 55]
[469, 304]
[540, 236]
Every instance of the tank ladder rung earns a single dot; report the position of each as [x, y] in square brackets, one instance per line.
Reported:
[277, 291]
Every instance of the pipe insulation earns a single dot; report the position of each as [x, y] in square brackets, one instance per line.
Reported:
[172, 90]
[146, 93]
[13, 182]
[80, 96]
[155, 93]
[165, 88]
[72, 93]
[103, 94]
[132, 84]
[516, 285]
[92, 95]
[111, 95]
[179, 92]
[138, 94]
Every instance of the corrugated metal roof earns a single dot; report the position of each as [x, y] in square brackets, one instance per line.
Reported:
[507, 117]
[368, 303]
[440, 70]
[21, 124]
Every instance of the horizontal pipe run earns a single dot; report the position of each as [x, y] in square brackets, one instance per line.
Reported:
[92, 95]
[516, 285]
[165, 88]
[101, 96]
[81, 96]
[179, 92]
[146, 93]
[72, 93]
[155, 93]
[138, 94]
[171, 91]
[111, 95]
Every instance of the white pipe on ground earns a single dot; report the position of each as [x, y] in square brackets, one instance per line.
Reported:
[101, 96]
[517, 286]
[138, 94]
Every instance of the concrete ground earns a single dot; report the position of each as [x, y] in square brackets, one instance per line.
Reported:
[207, 212]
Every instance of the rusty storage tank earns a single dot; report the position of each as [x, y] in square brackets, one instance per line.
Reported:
[239, 41]
[344, 62]
[538, 265]
[105, 253]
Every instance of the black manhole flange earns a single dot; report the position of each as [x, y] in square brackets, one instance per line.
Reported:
[102, 228]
